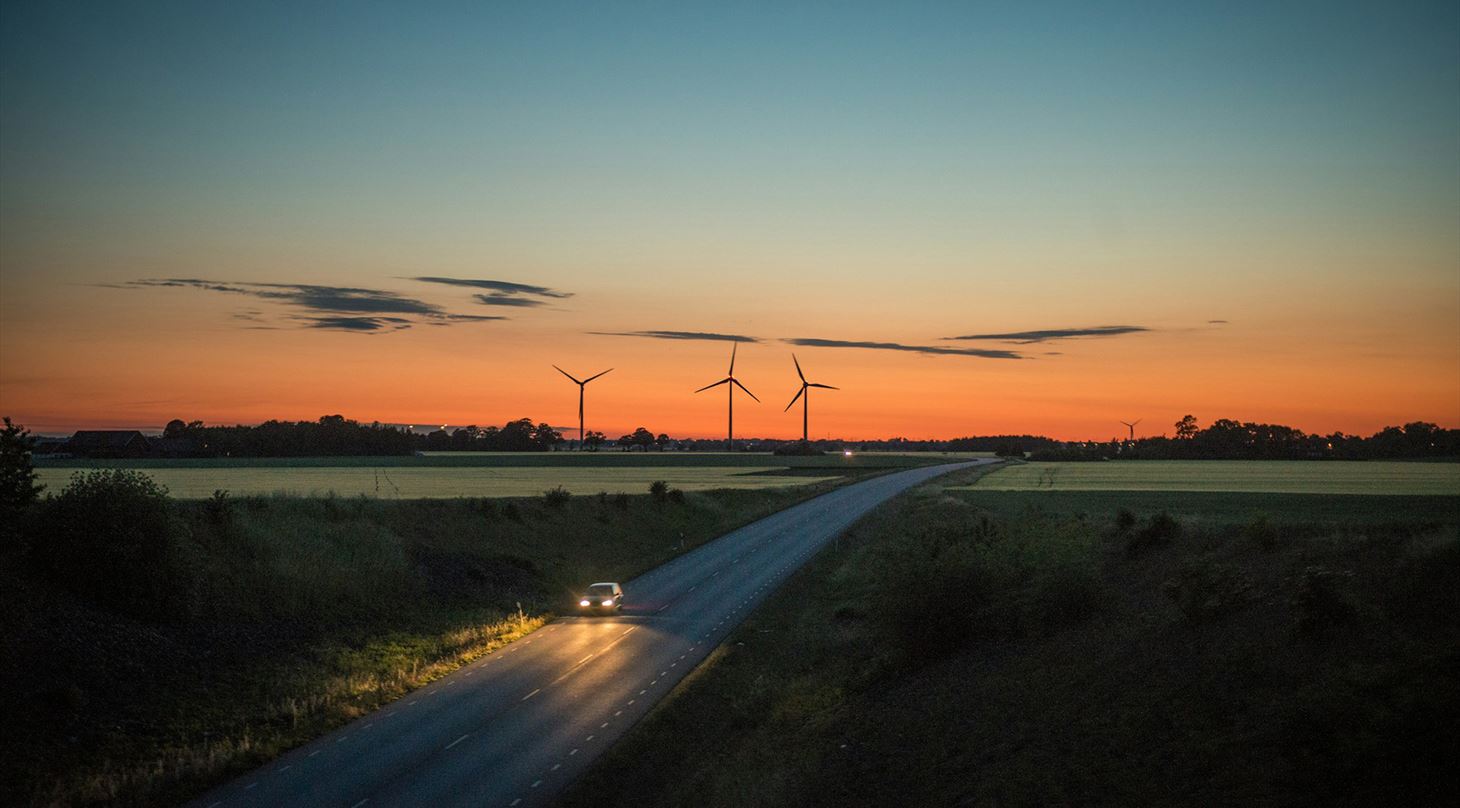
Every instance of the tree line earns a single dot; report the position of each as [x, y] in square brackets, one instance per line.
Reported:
[1227, 439]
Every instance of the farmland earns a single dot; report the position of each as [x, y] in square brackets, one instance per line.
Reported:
[1274, 476]
[450, 475]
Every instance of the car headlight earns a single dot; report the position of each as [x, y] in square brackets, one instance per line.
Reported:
[608, 602]
[584, 602]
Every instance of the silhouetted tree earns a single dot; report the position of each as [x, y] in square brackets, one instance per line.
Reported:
[1186, 428]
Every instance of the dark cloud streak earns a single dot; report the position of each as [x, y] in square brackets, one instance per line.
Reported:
[1031, 337]
[894, 346]
[501, 287]
[678, 335]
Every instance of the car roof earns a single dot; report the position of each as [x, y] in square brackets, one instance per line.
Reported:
[605, 583]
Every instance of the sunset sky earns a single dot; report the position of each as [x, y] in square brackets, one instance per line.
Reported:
[972, 218]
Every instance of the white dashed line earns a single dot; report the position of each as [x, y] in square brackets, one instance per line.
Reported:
[360, 803]
[315, 752]
[533, 693]
[604, 724]
[572, 753]
[250, 785]
[457, 741]
[514, 802]
[536, 783]
[618, 713]
[589, 738]
[283, 769]
[555, 767]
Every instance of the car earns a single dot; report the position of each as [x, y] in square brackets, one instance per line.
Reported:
[605, 596]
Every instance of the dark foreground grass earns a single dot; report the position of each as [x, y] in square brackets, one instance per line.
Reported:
[303, 614]
[1244, 650]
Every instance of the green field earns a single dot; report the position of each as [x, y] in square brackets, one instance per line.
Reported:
[471, 474]
[1267, 476]
[434, 483]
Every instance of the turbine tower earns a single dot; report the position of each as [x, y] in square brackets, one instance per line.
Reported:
[1131, 425]
[581, 385]
[806, 401]
[730, 383]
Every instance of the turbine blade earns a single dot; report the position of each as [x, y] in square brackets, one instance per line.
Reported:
[566, 373]
[732, 358]
[798, 369]
[742, 387]
[794, 400]
[716, 384]
[591, 378]
[1138, 420]
[822, 386]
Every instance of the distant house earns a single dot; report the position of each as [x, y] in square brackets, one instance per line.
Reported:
[106, 443]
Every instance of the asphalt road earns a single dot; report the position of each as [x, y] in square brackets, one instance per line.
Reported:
[514, 727]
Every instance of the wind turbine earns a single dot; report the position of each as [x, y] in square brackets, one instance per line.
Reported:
[731, 383]
[1131, 425]
[806, 402]
[581, 385]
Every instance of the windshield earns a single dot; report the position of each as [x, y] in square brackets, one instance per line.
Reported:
[600, 590]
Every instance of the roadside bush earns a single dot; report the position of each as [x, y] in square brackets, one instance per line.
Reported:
[1261, 534]
[1159, 532]
[929, 596]
[1204, 589]
[557, 497]
[1125, 521]
[18, 488]
[511, 511]
[659, 490]
[621, 501]
[219, 509]
[1321, 602]
[676, 496]
[112, 538]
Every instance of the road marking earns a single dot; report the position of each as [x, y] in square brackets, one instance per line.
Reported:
[655, 682]
[589, 738]
[360, 803]
[631, 701]
[283, 769]
[604, 724]
[585, 659]
[250, 785]
[413, 703]
[618, 713]
[514, 802]
[662, 608]
[457, 741]
[641, 692]
[216, 804]
[536, 783]
[533, 693]
[572, 753]
[315, 752]
[367, 726]
[555, 767]
[342, 739]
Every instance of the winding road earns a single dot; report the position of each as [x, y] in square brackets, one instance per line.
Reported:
[514, 727]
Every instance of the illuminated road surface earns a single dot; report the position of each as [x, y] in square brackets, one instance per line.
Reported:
[514, 727]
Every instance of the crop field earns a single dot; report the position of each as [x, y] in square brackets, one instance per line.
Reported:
[396, 482]
[1245, 476]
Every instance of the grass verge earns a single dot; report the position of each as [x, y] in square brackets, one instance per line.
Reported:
[302, 614]
[1093, 648]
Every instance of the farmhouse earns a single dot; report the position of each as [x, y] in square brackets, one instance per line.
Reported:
[108, 443]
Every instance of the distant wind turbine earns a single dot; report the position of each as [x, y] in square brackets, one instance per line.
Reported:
[581, 385]
[1131, 425]
[731, 383]
[806, 401]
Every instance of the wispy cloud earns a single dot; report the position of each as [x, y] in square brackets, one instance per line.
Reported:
[1218, 322]
[500, 287]
[344, 308]
[1030, 337]
[367, 324]
[501, 299]
[680, 335]
[896, 346]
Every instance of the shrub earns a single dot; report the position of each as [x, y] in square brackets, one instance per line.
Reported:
[659, 490]
[1125, 521]
[1204, 589]
[487, 508]
[219, 509]
[676, 496]
[18, 488]
[557, 497]
[1262, 534]
[1320, 603]
[621, 501]
[1159, 532]
[113, 539]
[511, 511]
